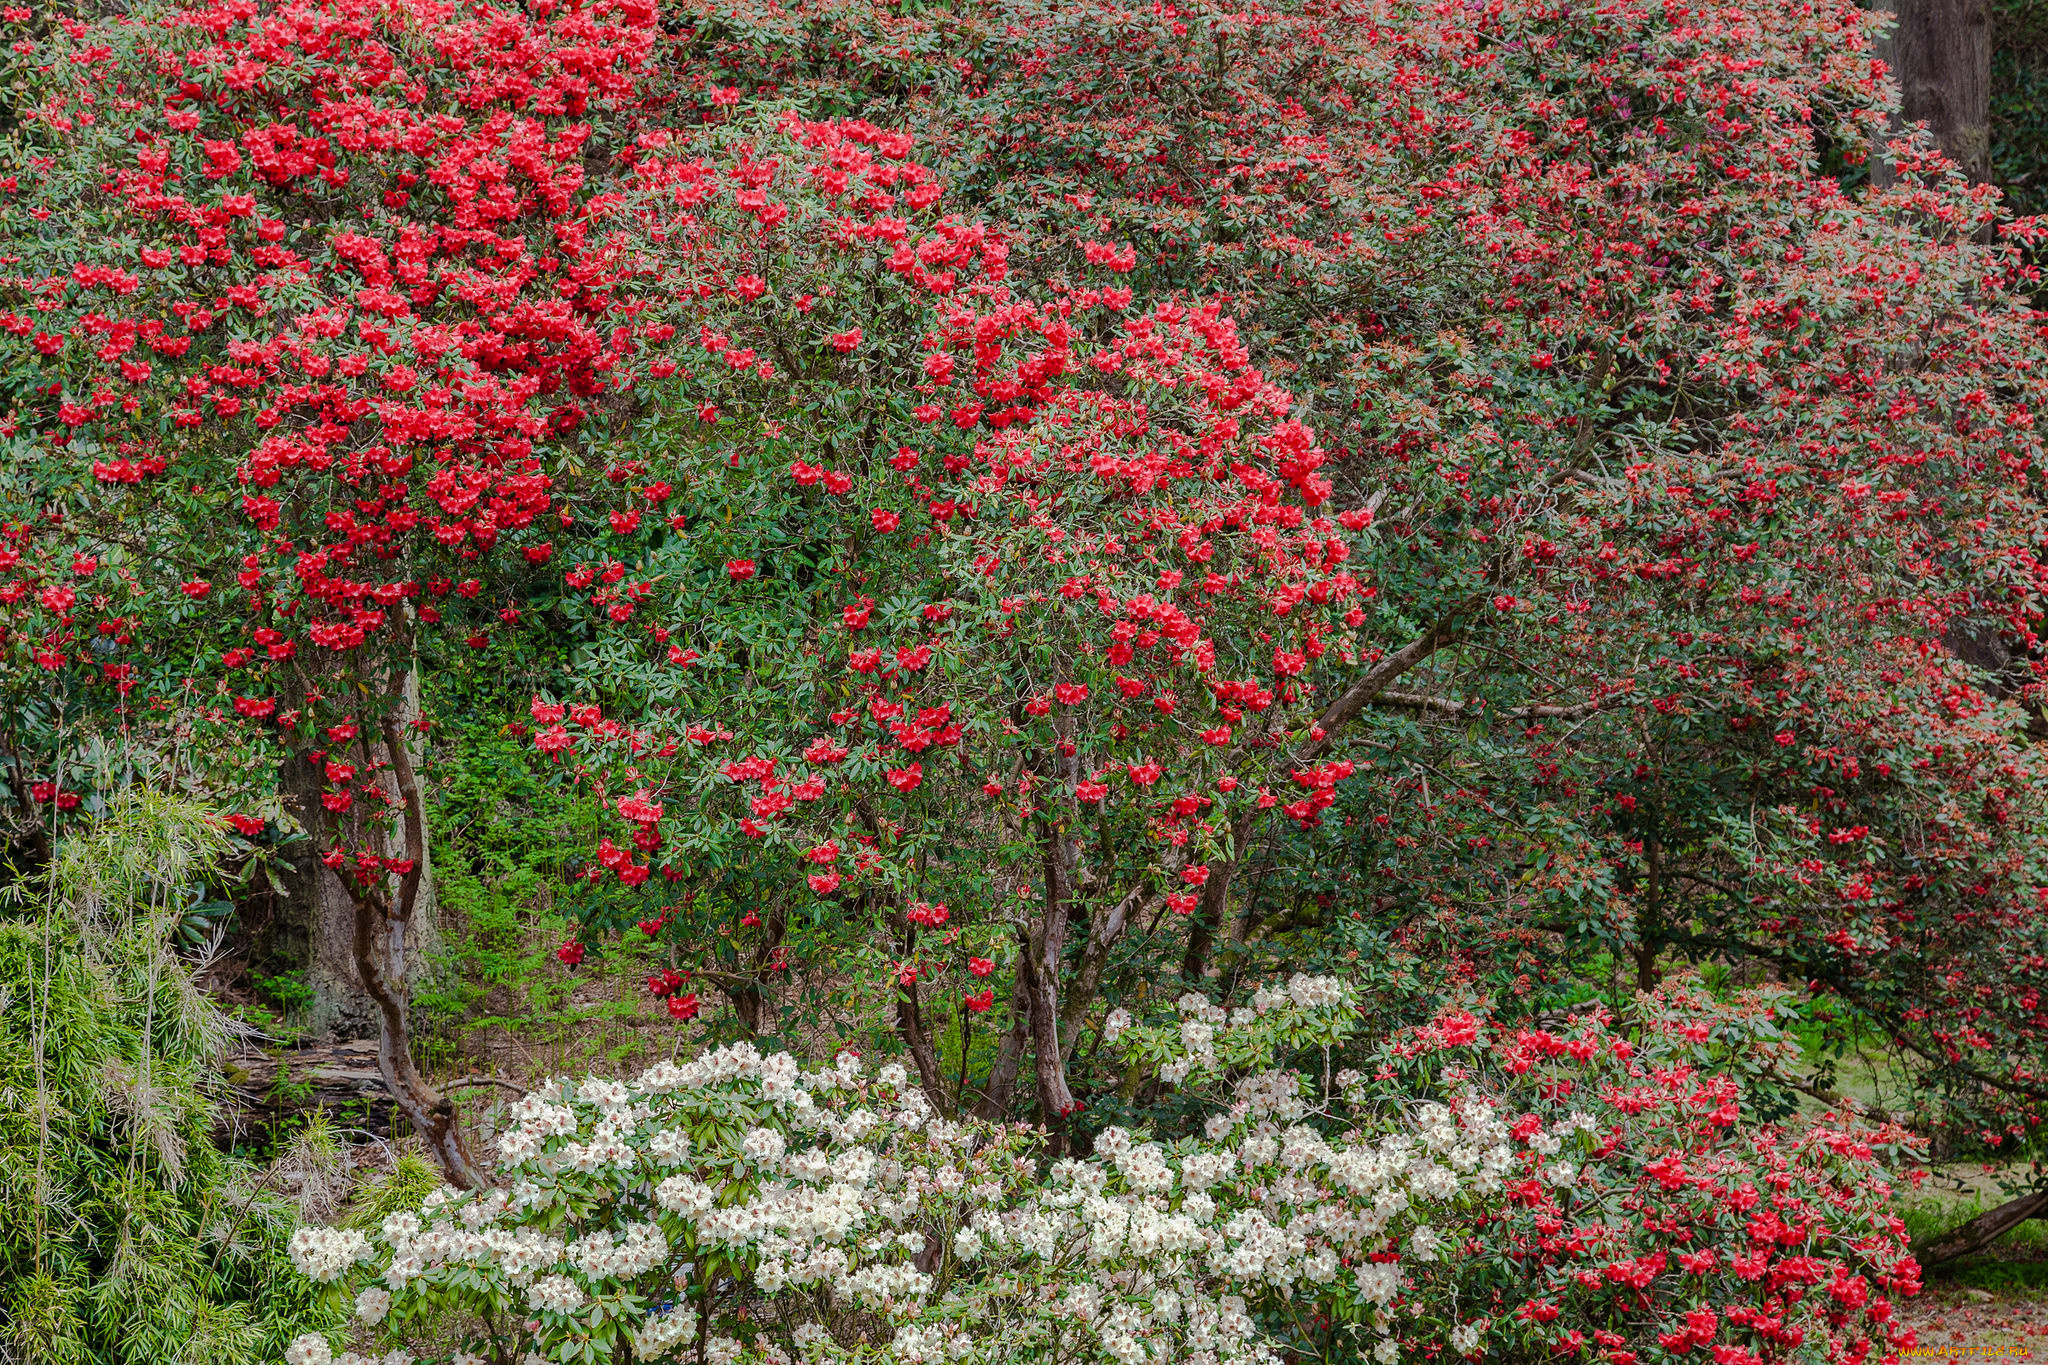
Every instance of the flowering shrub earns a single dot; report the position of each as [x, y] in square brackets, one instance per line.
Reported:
[1074, 568]
[1475, 1192]
[306, 304]
[1575, 364]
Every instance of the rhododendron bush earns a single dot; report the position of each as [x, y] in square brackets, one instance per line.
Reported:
[1474, 1193]
[310, 303]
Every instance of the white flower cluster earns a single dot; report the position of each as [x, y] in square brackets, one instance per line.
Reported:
[555, 1294]
[324, 1255]
[661, 1332]
[1210, 1038]
[314, 1350]
[848, 1201]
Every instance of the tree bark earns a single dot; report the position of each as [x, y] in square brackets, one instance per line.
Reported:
[385, 893]
[1209, 914]
[1043, 945]
[383, 923]
[1981, 1231]
[318, 925]
[1940, 54]
[317, 928]
[749, 992]
[910, 1025]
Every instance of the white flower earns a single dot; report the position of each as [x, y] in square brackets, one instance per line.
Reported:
[1465, 1337]
[309, 1350]
[401, 1227]
[685, 1195]
[1560, 1173]
[967, 1244]
[1387, 1352]
[1423, 1242]
[764, 1146]
[1115, 1026]
[555, 1294]
[893, 1075]
[1311, 992]
[323, 1254]
[660, 1333]
[602, 1093]
[373, 1304]
[1379, 1281]
[670, 1146]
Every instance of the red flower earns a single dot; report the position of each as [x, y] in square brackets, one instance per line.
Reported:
[739, 570]
[571, 953]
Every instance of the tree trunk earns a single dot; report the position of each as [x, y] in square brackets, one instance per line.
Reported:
[384, 922]
[910, 1025]
[1981, 1231]
[1940, 54]
[317, 931]
[752, 998]
[382, 872]
[1038, 977]
[1209, 914]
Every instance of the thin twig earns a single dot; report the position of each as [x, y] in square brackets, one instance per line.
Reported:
[469, 1081]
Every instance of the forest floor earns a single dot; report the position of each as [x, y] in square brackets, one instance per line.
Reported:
[1957, 1319]
[1992, 1306]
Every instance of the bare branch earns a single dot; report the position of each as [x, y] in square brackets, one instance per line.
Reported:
[1417, 701]
[471, 1082]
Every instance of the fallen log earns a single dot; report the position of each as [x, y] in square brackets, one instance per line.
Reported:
[267, 1086]
[270, 1085]
[1981, 1231]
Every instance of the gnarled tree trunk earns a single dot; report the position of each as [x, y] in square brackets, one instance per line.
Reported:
[384, 922]
[384, 877]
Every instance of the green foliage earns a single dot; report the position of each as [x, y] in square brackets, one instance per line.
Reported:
[499, 866]
[125, 1234]
[2019, 102]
